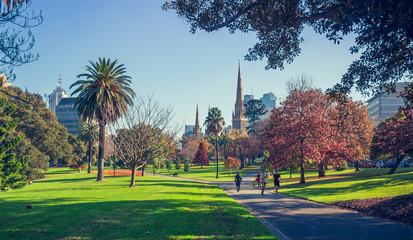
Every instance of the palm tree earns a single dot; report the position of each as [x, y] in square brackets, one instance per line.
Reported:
[214, 122]
[104, 95]
[90, 134]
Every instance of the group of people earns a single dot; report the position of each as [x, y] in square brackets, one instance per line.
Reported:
[261, 180]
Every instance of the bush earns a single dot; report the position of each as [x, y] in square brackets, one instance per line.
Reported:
[34, 174]
[342, 166]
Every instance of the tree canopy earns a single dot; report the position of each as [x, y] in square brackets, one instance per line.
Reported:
[383, 31]
[16, 38]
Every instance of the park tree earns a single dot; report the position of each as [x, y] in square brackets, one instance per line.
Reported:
[201, 157]
[187, 166]
[298, 129]
[42, 135]
[79, 152]
[240, 146]
[382, 29]
[104, 95]
[145, 132]
[168, 164]
[394, 136]
[214, 124]
[256, 147]
[231, 163]
[353, 127]
[89, 132]
[254, 109]
[11, 169]
[178, 164]
[16, 37]
[224, 141]
[189, 149]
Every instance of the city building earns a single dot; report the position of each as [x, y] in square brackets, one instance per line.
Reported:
[383, 105]
[67, 115]
[248, 97]
[270, 100]
[189, 129]
[239, 120]
[57, 95]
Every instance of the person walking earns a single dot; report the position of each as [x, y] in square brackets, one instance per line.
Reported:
[263, 182]
[276, 180]
[238, 181]
[259, 179]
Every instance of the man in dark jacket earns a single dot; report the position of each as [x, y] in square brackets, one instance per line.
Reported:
[238, 181]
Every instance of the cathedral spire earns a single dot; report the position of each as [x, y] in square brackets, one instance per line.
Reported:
[239, 121]
[197, 128]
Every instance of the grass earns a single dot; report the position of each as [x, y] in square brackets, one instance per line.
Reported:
[207, 173]
[348, 185]
[71, 205]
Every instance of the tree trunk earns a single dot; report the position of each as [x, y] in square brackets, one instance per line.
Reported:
[132, 181]
[321, 172]
[356, 164]
[216, 151]
[399, 159]
[143, 171]
[302, 172]
[242, 163]
[89, 164]
[102, 126]
[290, 172]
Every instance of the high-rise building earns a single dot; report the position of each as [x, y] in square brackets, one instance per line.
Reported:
[383, 105]
[57, 95]
[189, 129]
[239, 120]
[270, 100]
[67, 115]
[248, 97]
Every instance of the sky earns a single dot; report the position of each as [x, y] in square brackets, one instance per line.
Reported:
[164, 59]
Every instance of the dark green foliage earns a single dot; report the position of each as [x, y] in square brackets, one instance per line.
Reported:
[254, 109]
[43, 137]
[168, 164]
[11, 169]
[383, 31]
[187, 166]
[178, 164]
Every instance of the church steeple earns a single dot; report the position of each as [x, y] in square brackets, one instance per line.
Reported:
[197, 129]
[239, 120]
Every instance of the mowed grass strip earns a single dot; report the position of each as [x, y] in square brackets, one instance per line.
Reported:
[349, 185]
[71, 205]
[206, 173]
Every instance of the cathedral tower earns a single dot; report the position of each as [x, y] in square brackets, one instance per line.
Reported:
[239, 120]
[197, 129]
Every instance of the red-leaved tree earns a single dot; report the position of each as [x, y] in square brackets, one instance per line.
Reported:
[394, 136]
[231, 163]
[201, 156]
[299, 131]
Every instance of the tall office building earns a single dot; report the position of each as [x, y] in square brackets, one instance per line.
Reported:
[270, 100]
[57, 95]
[383, 105]
[67, 115]
[239, 120]
[248, 97]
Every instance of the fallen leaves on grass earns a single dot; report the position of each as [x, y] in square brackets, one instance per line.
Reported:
[398, 208]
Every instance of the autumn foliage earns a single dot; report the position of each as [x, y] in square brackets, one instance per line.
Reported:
[201, 157]
[231, 163]
[302, 131]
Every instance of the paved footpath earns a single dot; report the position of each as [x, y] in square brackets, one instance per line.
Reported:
[288, 217]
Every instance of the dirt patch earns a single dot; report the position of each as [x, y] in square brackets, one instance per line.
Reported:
[398, 208]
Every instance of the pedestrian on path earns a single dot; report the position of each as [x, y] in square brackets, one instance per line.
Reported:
[259, 179]
[276, 180]
[238, 181]
[264, 177]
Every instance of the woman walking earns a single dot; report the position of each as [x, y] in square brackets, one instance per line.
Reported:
[263, 182]
[259, 179]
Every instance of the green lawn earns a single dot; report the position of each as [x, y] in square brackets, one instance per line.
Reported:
[71, 205]
[206, 173]
[348, 185]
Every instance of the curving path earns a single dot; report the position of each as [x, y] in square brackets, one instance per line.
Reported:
[288, 217]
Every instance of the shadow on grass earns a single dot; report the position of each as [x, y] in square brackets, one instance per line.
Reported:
[150, 219]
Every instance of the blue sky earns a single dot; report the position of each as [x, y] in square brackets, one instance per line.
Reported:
[163, 58]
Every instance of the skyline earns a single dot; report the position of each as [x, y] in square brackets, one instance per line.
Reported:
[164, 59]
